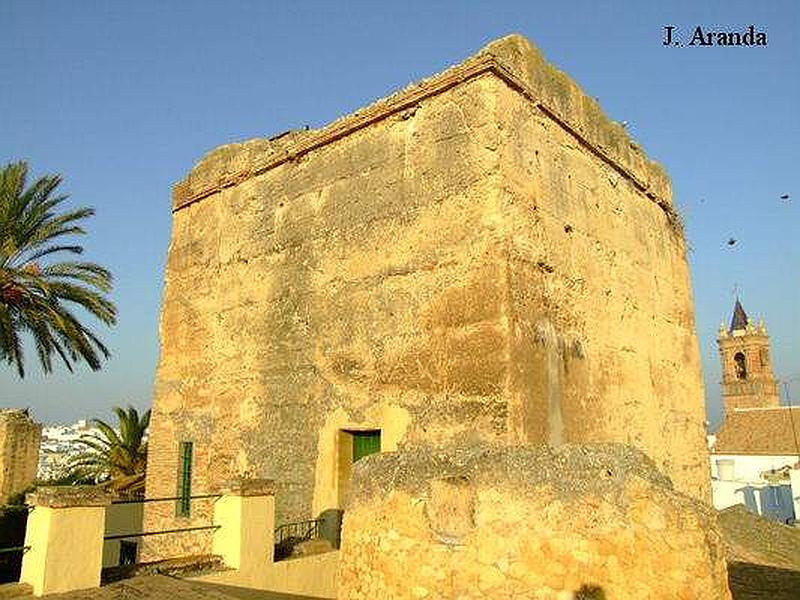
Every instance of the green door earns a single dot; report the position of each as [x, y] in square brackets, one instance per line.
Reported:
[366, 442]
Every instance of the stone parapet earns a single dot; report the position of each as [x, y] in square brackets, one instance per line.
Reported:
[248, 487]
[64, 534]
[570, 470]
[68, 496]
[513, 59]
[524, 67]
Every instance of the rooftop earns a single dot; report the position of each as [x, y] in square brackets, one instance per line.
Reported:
[763, 431]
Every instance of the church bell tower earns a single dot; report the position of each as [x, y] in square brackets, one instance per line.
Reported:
[747, 377]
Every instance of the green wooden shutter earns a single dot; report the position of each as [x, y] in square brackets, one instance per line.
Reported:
[185, 480]
[365, 442]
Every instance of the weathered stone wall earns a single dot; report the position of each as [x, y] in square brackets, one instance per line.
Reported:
[584, 522]
[20, 437]
[342, 280]
[391, 271]
[603, 333]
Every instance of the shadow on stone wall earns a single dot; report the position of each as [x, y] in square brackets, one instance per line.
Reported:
[751, 581]
[590, 592]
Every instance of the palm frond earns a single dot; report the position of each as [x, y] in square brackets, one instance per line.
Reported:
[115, 452]
[39, 299]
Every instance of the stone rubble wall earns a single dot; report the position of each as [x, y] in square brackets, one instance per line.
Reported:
[587, 522]
[20, 438]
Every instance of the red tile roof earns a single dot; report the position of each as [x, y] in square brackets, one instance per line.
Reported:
[772, 431]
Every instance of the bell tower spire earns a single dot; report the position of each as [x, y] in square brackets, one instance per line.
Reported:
[739, 320]
[747, 377]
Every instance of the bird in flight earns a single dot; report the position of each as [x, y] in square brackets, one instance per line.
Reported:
[784, 196]
[731, 241]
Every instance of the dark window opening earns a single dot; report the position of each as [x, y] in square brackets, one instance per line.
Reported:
[127, 552]
[740, 365]
[185, 480]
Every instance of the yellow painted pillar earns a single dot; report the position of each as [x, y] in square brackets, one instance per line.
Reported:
[245, 515]
[65, 538]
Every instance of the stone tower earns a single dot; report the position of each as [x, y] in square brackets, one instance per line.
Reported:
[747, 377]
[484, 256]
[20, 437]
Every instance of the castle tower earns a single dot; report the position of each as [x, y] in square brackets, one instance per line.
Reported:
[747, 377]
[436, 267]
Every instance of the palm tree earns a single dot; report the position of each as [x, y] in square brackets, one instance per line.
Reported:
[113, 453]
[38, 294]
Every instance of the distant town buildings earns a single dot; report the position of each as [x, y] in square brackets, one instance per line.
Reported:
[755, 455]
[30, 451]
[19, 451]
[60, 447]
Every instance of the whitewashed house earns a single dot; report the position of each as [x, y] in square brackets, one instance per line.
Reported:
[755, 455]
[755, 461]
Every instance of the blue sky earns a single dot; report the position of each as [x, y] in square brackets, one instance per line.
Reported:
[123, 98]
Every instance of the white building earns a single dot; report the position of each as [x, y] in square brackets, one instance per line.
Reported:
[59, 447]
[755, 461]
[755, 455]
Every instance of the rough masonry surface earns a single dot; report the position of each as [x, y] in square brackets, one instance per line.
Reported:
[481, 256]
[20, 438]
[585, 522]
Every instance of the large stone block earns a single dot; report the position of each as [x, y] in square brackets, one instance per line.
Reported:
[594, 521]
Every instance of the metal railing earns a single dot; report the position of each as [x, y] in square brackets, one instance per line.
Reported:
[287, 536]
[129, 564]
[137, 534]
[165, 499]
[124, 536]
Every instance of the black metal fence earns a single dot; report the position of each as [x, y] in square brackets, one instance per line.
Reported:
[287, 536]
[13, 522]
[128, 561]
[327, 526]
[144, 500]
